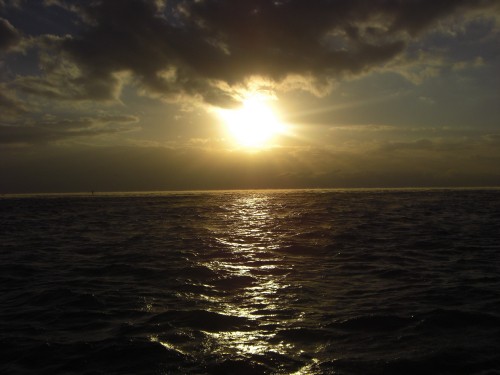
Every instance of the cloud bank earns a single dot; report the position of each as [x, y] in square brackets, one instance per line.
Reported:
[412, 164]
[210, 49]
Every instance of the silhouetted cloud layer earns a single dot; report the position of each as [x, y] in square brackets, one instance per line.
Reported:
[210, 48]
[158, 168]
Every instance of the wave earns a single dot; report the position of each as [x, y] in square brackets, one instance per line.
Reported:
[202, 320]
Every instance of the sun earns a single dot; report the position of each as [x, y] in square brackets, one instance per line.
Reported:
[254, 124]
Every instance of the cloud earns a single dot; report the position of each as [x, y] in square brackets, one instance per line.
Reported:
[210, 49]
[10, 106]
[472, 145]
[62, 78]
[9, 36]
[52, 129]
[83, 168]
[11, 3]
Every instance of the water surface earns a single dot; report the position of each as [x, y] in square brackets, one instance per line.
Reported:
[251, 282]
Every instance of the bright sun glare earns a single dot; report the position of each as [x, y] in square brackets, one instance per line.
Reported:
[254, 124]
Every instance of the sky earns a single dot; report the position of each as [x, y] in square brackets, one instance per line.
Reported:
[128, 95]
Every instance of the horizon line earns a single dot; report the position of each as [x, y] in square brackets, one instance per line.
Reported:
[222, 190]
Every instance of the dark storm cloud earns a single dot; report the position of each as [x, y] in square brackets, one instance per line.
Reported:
[50, 130]
[9, 36]
[204, 48]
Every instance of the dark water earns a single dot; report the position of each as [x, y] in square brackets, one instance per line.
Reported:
[296, 282]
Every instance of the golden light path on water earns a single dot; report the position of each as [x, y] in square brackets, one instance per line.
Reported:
[251, 230]
[250, 237]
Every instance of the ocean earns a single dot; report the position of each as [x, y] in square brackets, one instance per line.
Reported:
[251, 282]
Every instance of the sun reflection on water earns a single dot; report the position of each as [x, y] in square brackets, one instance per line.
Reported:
[246, 284]
[248, 231]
